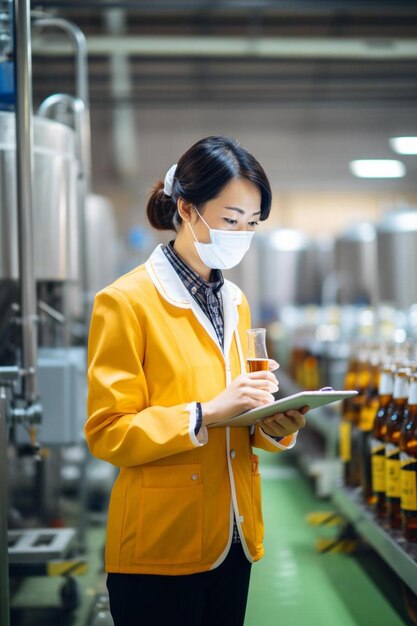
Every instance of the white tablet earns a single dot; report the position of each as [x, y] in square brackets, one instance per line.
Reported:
[313, 399]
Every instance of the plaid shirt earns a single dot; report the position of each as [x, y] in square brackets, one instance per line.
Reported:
[206, 294]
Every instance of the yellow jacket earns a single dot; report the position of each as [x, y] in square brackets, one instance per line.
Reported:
[152, 355]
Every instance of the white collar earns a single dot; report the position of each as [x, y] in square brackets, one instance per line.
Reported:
[172, 289]
[170, 285]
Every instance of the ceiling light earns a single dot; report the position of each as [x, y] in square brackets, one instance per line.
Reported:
[377, 168]
[404, 145]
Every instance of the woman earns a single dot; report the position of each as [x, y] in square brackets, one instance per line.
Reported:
[166, 360]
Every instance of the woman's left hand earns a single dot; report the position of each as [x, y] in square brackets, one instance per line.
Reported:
[284, 424]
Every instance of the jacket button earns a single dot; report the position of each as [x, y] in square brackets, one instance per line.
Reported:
[233, 454]
[194, 477]
[241, 519]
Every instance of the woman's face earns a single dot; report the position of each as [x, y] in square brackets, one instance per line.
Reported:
[236, 208]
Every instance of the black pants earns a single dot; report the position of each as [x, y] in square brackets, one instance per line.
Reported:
[214, 598]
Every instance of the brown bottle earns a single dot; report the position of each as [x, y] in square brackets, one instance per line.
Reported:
[366, 421]
[345, 432]
[311, 372]
[408, 458]
[363, 380]
[377, 440]
[394, 423]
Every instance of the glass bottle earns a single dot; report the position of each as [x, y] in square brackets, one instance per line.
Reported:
[377, 440]
[394, 423]
[363, 380]
[408, 459]
[345, 431]
[366, 421]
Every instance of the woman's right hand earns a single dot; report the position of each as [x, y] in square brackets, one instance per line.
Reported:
[247, 391]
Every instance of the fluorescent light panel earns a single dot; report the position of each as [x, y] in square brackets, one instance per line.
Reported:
[404, 145]
[377, 168]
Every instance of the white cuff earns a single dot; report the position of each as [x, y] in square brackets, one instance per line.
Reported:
[202, 436]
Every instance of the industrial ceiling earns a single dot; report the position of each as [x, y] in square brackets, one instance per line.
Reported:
[318, 74]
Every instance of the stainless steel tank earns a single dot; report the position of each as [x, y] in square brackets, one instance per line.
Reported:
[56, 215]
[289, 270]
[101, 242]
[397, 258]
[355, 277]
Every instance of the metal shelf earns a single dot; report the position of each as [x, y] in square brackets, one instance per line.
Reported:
[399, 554]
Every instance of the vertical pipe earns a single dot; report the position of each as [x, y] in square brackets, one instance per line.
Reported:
[24, 171]
[79, 43]
[4, 561]
[82, 118]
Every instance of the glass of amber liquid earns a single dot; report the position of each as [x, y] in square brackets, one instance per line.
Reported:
[257, 357]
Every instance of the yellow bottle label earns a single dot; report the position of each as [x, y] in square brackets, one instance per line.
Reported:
[367, 417]
[378, 466]
[408, 482]
[393, 471]
[345, 441]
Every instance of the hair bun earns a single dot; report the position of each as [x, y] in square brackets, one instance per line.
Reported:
[160, 208]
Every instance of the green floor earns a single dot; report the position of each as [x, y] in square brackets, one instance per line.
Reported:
[292, 585]
[296, 586]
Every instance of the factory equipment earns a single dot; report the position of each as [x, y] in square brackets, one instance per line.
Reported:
[289, 270]
[54, 203]
[355, 265]
[45, 170]
[6, 56]
[397, 258]
[20, 402]
[101, 244]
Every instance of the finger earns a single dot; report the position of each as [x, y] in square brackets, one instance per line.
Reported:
[294, 414]
[272, 432]
[263, 374]
[286, 419]
[259, 395]
[297, 418]
[273, 365]
[276, 417]
[272, 387]
[284, 426]
[305, 409]
[276, 429]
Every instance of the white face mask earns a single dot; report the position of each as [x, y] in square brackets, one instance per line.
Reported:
[225, 250]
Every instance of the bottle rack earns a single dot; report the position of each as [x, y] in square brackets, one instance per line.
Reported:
[398, 553]
[392, 547]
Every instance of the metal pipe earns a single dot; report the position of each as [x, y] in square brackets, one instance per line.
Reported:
[243, 47]
[78, 108]
[4, 560]
[53, 313]
[82, 136]
[79, 44]
[124, 130]
[24, 171]
[169, 7]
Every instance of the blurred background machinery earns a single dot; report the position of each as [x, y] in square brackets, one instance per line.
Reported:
[48, 220]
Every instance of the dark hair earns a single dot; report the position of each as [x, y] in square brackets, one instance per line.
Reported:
[201, 174]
